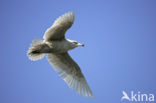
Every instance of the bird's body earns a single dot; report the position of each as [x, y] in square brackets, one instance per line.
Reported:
[57, 47]
[60, 46]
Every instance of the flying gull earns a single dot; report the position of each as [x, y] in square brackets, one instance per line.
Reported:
[57, 47]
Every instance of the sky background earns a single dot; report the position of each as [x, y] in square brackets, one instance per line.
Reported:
[119, 52]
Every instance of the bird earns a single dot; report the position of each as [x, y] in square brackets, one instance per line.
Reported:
[57, 46]
[125, 96]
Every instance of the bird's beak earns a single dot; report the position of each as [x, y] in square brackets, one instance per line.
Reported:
[79, 44]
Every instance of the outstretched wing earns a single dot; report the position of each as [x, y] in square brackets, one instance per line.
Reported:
[59, 27]
[70, 73]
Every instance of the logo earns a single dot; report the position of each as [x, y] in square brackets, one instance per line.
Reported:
[137, 96]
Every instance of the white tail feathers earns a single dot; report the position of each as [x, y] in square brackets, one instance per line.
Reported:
[34, 50]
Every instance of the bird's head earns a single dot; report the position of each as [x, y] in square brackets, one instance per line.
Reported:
[75, 43]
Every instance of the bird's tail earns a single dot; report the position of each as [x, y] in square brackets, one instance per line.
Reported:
[34, 53]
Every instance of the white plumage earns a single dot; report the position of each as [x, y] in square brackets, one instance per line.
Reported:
[34, 56]
[68, 17]
[57, 48]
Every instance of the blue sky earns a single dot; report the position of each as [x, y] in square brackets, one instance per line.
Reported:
[119, 52]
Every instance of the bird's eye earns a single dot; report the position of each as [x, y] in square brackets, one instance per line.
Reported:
[75, 42]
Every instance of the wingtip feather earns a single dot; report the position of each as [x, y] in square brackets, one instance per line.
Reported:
[79, 85]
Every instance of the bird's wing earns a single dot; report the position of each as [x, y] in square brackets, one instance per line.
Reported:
[59, 27]
[70, 73]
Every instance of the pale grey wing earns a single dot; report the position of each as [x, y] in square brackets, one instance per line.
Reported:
[59, 27]
[70, 73]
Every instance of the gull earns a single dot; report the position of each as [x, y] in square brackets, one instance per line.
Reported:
[57, 47]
